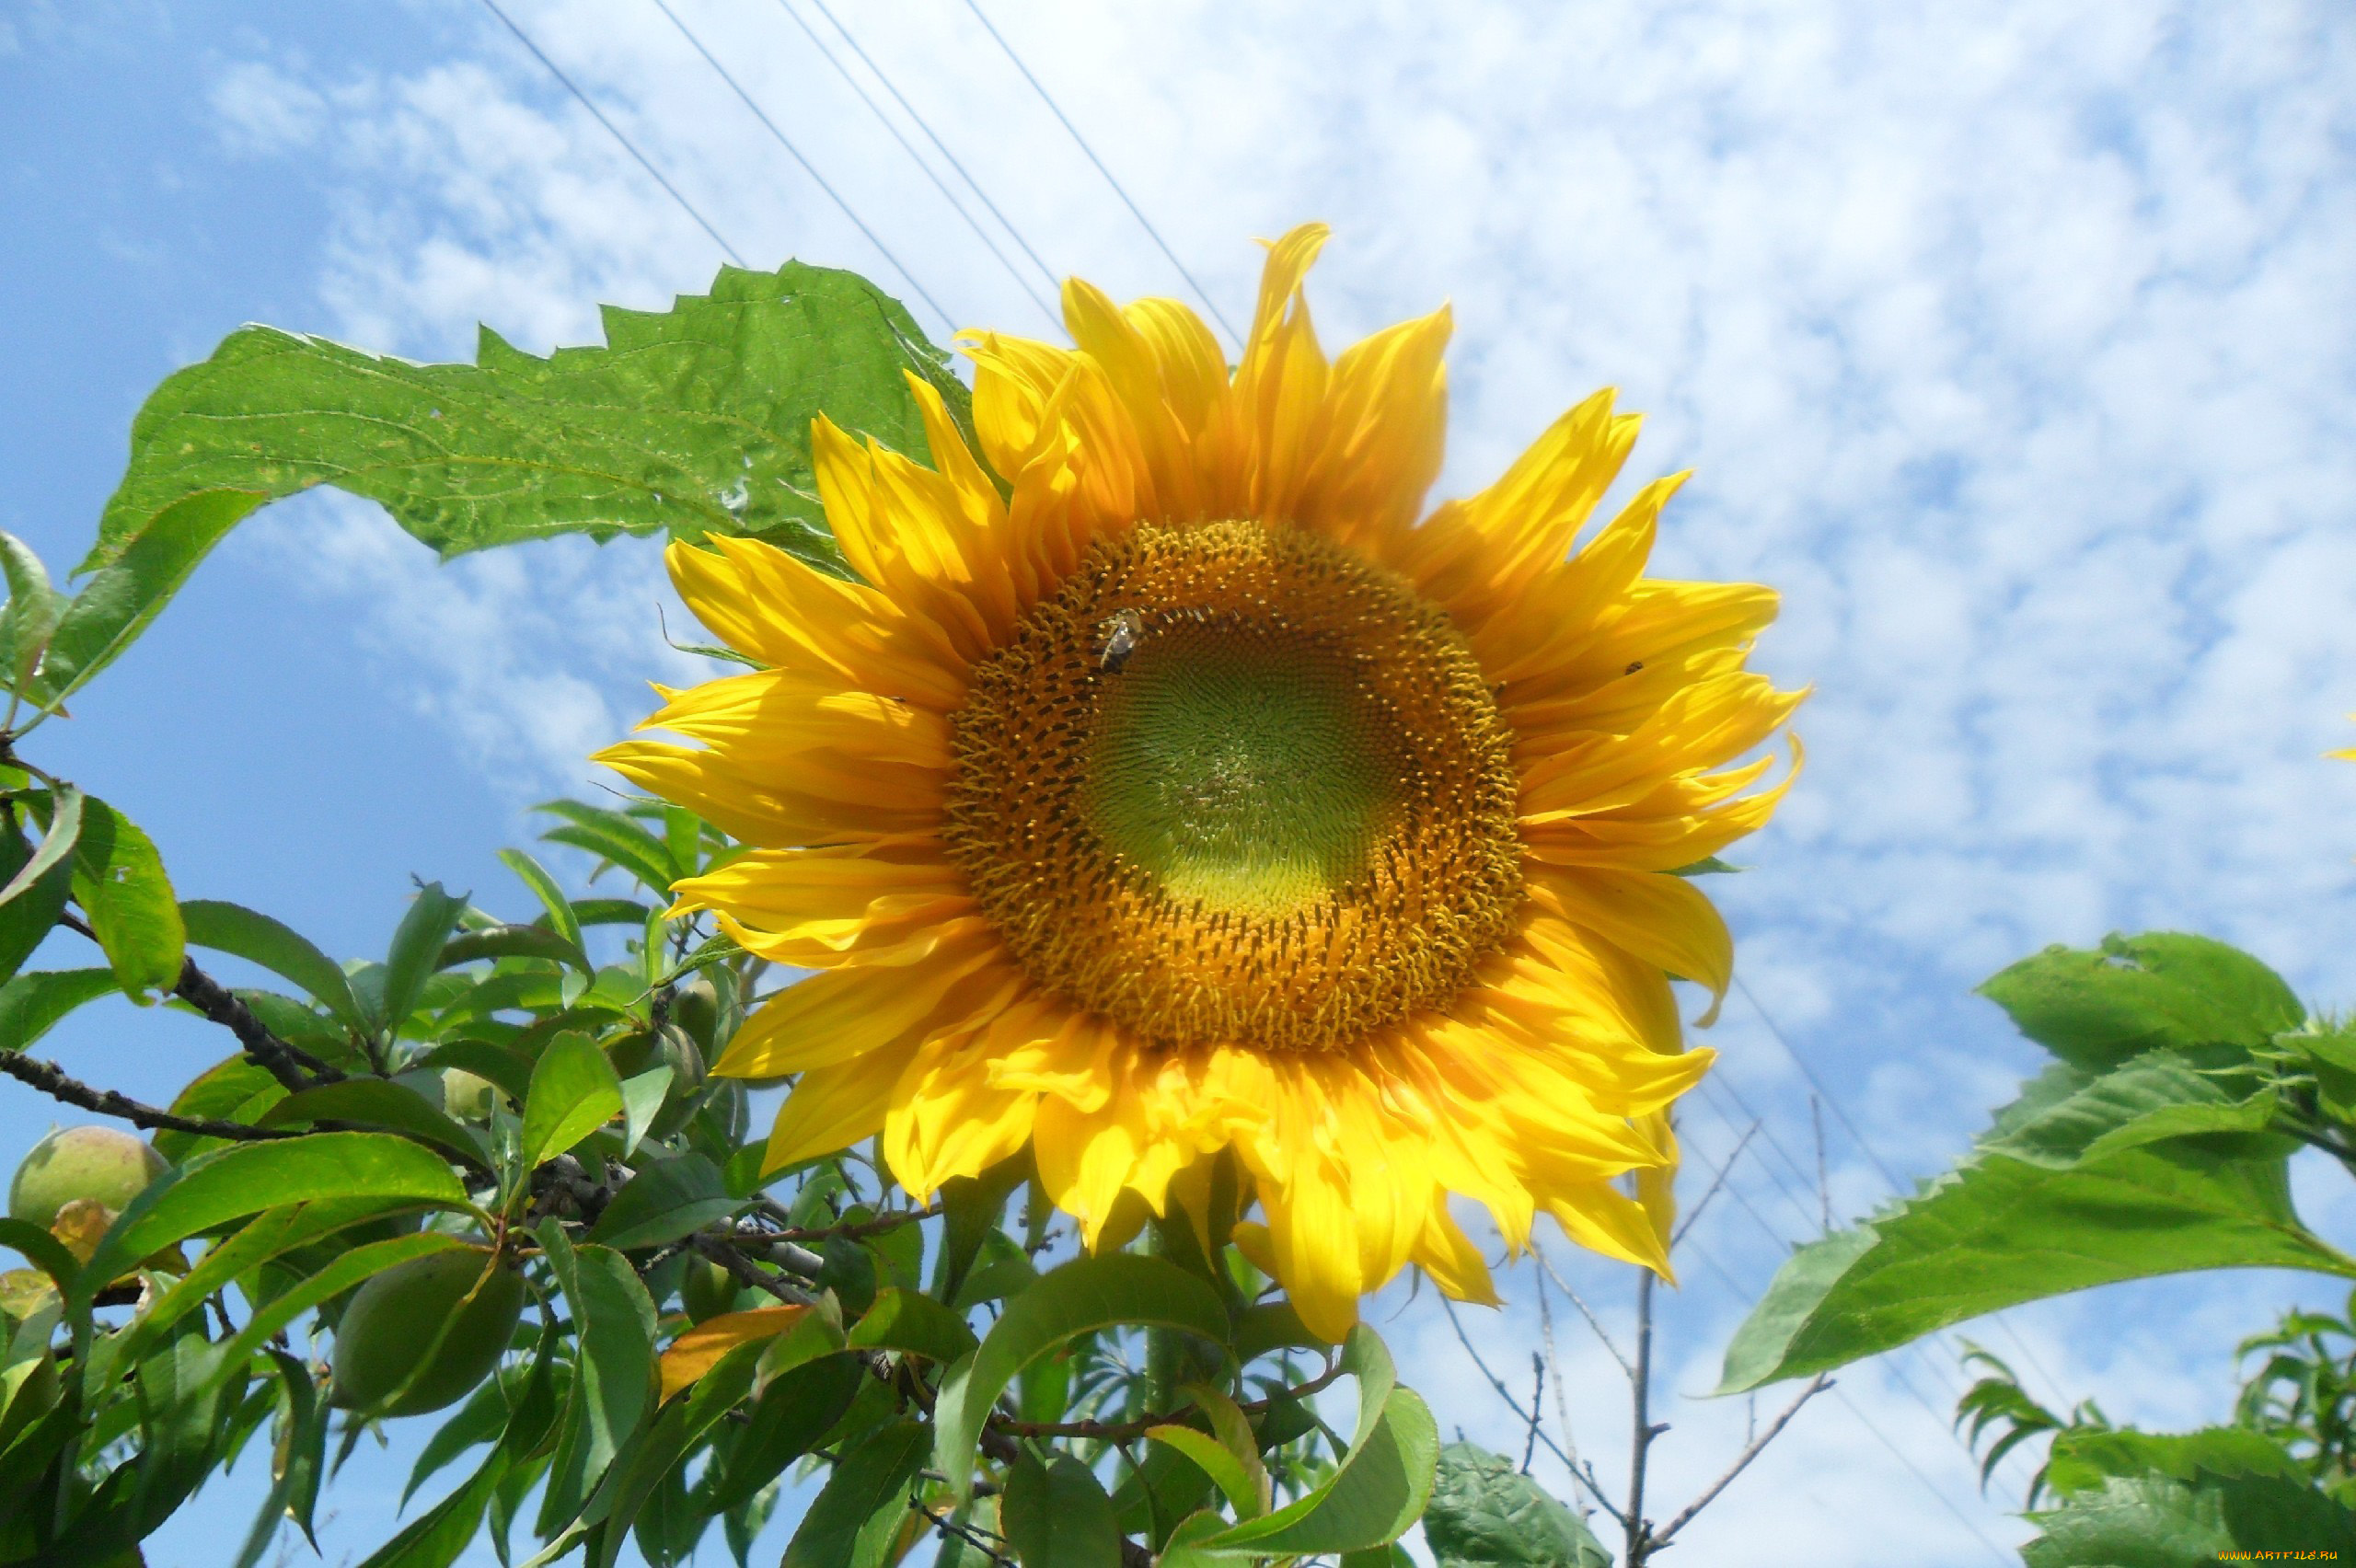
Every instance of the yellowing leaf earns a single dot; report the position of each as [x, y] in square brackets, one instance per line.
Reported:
[699, 1350]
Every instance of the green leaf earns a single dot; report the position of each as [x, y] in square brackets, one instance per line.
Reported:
[1485, 1514]
[613, 1384]
[42, 1250]
[791, 1415]
[1085, 1294]
[39, 878]
[667, 1199]
[544, 887]
[1270, 1326]
[1058, 1516]
[1381, 1484]
[119, 881]
[34, 609]
[437, 1537]
[62, 827]
[690, 421]
[1999, 1232]
[481, 1419]
[684, 1423]
[2164, 988]
[380, 1104]
[2082, 1457]
[970, 1209]
[642, 1097]
[133, 585]
[514, 941]
[416, 953]
[2156, 1522]
[302, 1444]
[573, 1092]
[32, 1004]
[2069, 1117]
[613, 838]
[258, 939]
[248, 1178]
[1222, 1464]
[868, 1490]
[909, 1322]
[495, 1064]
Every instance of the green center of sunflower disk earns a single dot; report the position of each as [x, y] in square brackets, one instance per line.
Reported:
[1240, 766]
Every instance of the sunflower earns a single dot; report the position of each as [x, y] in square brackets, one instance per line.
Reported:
[1193, 809]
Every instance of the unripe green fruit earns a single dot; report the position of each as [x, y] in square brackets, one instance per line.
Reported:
[436, 1323]
[705, 1290]
[695, 1006]
[97, 1163]
[466, 1096]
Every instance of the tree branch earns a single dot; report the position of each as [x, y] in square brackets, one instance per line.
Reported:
[1822, 1381]
[51, 1080]
[290, 1065]
[285, 1062]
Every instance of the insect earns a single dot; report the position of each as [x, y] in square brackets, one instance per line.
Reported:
[1120, 633]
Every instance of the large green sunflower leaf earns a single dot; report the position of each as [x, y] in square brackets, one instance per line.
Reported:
[2001, 1231]
[2094, 1009]
[2155, 1521]
[688, 421]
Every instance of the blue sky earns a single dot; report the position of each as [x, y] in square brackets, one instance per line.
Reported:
[2015, 344]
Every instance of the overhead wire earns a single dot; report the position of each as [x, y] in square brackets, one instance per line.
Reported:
[908, 147]
[1055, 279]
[615, 130]
[1118, 190]
[807, 166]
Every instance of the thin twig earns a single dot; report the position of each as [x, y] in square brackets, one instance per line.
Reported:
[1537, 1404]
[51, 1080]
[1822, 1381]
[1582, 1477]
[949, 1526]
[1554, 1360]
[1585, 1311]
[1718, 1181]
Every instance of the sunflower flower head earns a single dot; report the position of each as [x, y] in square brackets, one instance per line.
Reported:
[1199, 812]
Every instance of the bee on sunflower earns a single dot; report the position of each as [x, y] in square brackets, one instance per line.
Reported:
[1197, 812]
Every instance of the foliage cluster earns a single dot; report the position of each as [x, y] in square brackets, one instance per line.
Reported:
[2185, 1076]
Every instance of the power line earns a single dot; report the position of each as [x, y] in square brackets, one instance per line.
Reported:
[807, 168]
[1137, 212]
[1054, 279]
[908, 147]
[615, 130]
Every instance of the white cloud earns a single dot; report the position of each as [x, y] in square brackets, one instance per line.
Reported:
[2014, 343]
[263, 108]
